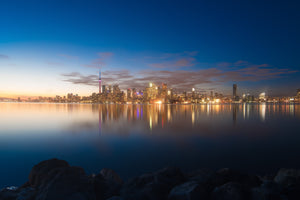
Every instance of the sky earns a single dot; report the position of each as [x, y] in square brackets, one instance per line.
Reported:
[53, 47]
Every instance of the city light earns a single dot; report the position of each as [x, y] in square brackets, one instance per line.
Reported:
[158, 102]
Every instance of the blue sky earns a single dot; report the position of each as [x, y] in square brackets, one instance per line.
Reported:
[56, 47]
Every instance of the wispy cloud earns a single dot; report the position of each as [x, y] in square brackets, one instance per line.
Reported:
[184, 62]
[54, 63]
[2, 56]
[174, 60]
[70, 57]
[182, 78]
[100, 62]
[77, 78]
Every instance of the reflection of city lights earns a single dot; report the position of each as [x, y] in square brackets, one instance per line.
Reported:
[263, 112]
[150, 122]
[193, 116]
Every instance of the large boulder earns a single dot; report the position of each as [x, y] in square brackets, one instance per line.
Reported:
[154, 186]
[28, 193]
[115, 198]
[68, 183]
[269, 190]
[228, 175]
[189, 191]
[201, 176]
[107, 184]
[229, 191]
[8, 193]
[288, 177]
[111, 176]
[41, 172]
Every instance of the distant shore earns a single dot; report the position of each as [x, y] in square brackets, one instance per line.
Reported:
[232, 103]
[56, 180]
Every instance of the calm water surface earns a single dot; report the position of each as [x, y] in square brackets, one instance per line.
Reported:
[135, 139]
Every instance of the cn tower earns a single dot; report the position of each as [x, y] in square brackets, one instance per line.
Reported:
[100, 88]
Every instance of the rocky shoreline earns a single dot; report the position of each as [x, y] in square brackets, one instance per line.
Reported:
[56, 180]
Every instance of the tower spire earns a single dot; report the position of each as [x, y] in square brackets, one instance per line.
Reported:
[100, 88]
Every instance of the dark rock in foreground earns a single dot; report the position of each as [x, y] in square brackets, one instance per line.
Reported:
[56, 180]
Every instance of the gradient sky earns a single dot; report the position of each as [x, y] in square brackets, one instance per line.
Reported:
[54, 47]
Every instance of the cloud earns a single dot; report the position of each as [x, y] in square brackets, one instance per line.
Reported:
[184, 62]
[241, 63]
[101, 61]
[54, 63]
[77, 78]
[69, 56]
[182, 79]
[105, 55]
[173, 60]
[3, 56]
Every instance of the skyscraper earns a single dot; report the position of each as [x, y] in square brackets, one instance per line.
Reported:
[234, 90]
[100, 88]
[104, 90]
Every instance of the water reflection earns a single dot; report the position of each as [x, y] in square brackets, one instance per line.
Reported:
[262, 111]
[140, 117]
[116, 136]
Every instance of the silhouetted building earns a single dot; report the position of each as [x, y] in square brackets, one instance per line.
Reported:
[104, 89]
[234, 91]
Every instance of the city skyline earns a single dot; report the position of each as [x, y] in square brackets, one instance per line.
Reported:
[54, 48]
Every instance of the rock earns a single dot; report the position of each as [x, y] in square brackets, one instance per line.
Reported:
[292, 192]
[111, 175]
[188, 191]
[12, 188]
[269, 190]
[229, 191]
[228, 175]
[154, 186]
[40, 172]
[115, 198]
[28, 193]
[68, 183]
[201, 176]
[8, 194]
[105, 187]
[288, 177]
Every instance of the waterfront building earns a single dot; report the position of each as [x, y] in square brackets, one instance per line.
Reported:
[234, 91]
[104, 90]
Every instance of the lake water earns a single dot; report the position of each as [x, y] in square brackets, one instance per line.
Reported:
[135, 139]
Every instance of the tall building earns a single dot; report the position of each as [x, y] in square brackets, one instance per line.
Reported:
[128, 93]
[100, 88]
[234, 91]
[116, 89]
[152, 91]
[193, 92]
[164, 91]
[104, 89]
